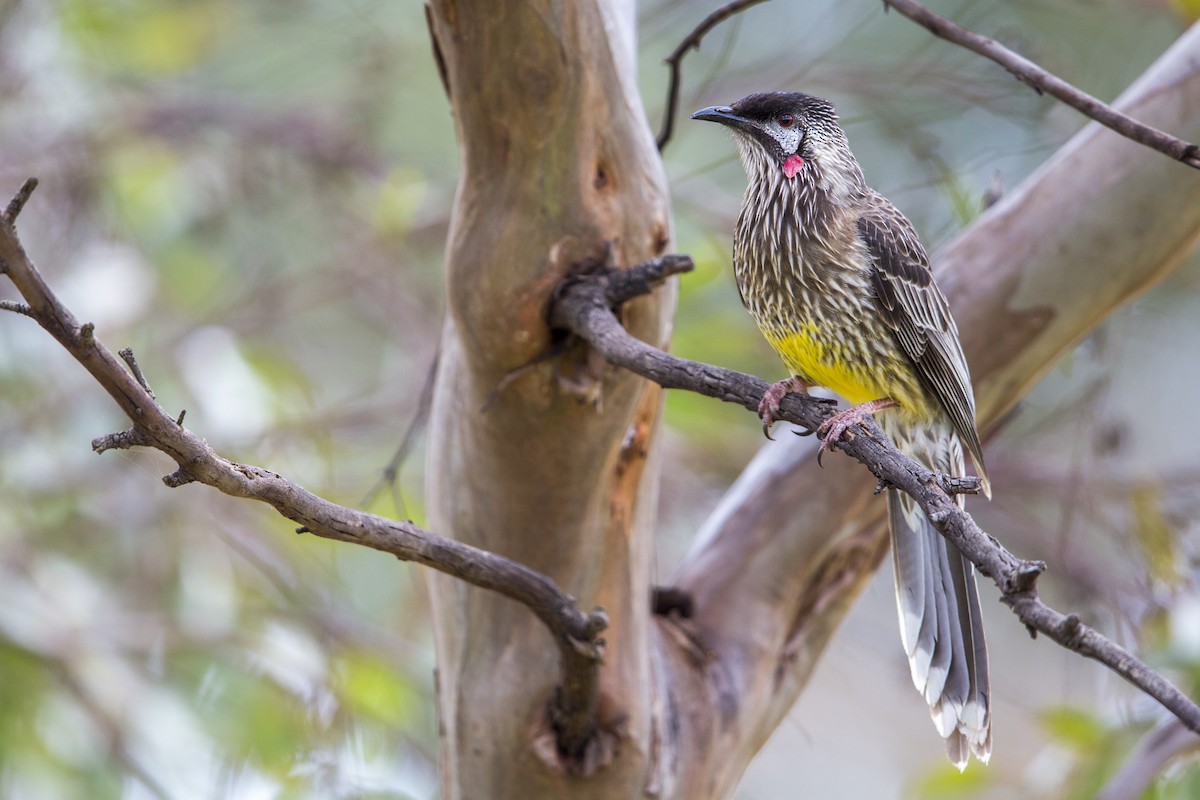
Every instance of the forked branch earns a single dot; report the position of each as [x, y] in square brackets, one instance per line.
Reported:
[577, 633]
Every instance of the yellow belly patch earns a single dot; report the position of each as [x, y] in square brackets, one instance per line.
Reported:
[819, 363]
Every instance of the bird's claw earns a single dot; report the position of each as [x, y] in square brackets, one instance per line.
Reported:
[768, 407]
[833, 429]
[831, 432]
[825, 401]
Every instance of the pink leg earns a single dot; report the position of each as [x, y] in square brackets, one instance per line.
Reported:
[832, 429]
[768, 407]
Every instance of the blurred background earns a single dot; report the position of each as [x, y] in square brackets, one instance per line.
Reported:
[254, 197]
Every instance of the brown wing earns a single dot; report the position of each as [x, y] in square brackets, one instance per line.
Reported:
[917, 311]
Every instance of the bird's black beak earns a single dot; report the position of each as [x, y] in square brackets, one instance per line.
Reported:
[723, 115]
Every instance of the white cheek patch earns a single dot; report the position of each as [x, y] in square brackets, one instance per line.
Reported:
[788, 138]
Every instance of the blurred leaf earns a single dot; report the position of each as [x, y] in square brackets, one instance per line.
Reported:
[25, 678]
[191, 277]
[399, 198]
[146, 36]
[1154, 633]
[947, 783]
[254, 718]
[1180, 781]
[371, 686]
[1190, 11]
[1099, 749]
[1073, 727]
[1154, 534]
[291, 387]
[965, 200]
[145, 188]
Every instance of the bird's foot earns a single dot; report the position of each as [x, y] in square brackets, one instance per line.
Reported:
[768, 407]
[832, 429]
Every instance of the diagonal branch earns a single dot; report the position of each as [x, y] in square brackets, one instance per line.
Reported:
[1040, 80]
[576, 633]
[584, 307]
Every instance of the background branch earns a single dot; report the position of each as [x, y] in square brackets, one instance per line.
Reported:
[1163, 744]
[1036, 77]
[1041, 80]
[576, 633]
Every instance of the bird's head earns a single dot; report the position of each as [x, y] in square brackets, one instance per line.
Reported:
[793, 135]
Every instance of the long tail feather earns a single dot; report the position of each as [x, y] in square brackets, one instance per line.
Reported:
[938, 603]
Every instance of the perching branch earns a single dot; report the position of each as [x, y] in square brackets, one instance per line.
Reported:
[1029, 73]
[576, 633]
[675, 60]
[1040, 80]
[584, 307]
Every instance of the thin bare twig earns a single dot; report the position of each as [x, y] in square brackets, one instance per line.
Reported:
[584, 307]
[674, 61]
[1041, 81]
[577, 633]
[126, 355]
[390, 473]
[16, 308]
[13, 210]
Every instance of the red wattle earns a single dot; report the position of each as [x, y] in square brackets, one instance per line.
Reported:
[792, 164]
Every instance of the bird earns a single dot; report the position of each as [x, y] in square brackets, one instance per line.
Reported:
[839, 284]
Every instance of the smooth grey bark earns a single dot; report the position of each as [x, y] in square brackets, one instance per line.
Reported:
[561, 472]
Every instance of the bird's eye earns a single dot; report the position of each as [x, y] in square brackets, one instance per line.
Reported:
[785, 120]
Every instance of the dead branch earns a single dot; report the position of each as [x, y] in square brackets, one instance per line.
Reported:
[584, 307]
[576, 633]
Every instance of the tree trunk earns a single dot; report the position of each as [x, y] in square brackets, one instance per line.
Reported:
[559, 472]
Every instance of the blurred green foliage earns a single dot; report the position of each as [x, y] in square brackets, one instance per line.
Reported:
[254, 196]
